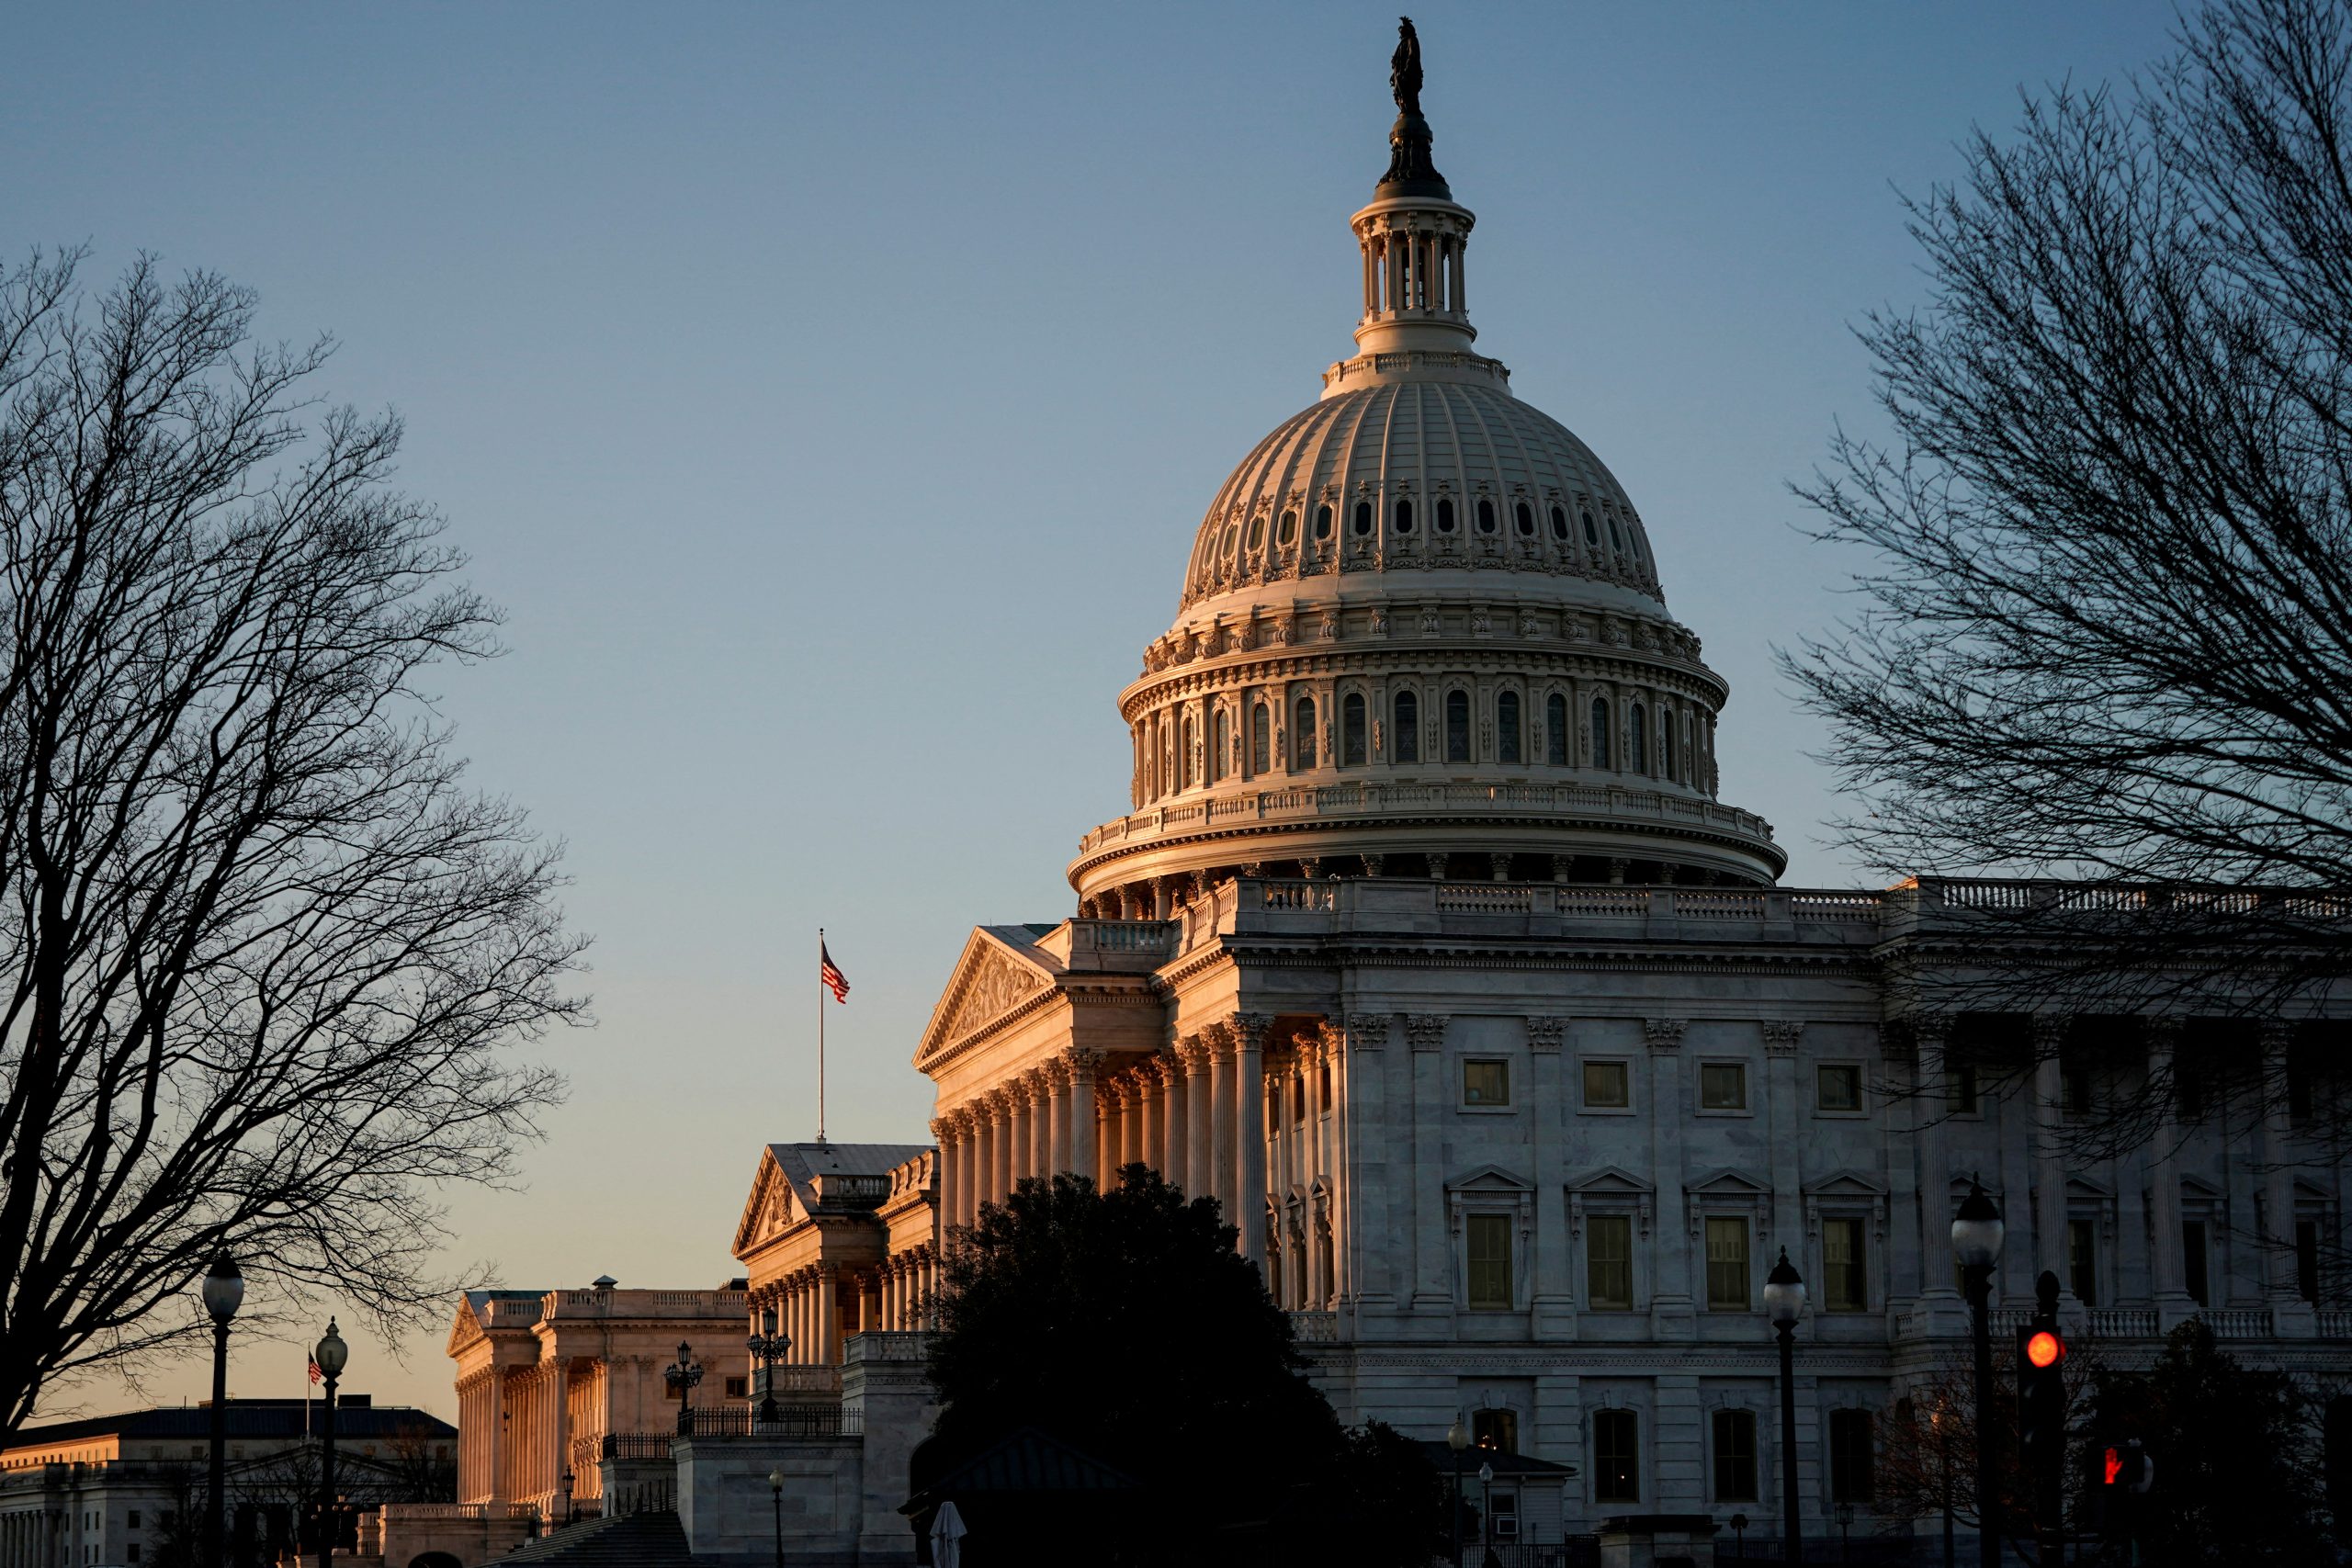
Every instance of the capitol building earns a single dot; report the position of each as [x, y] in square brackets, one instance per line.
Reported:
[1432, 943]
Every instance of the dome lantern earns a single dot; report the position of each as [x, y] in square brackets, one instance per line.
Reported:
[1413, 235]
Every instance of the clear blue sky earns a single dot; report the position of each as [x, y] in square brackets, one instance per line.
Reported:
[831, 396]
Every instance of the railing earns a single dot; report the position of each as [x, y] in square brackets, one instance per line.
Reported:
[431, 1511]
[1297, 894]
[1619, 903]
[1315, 1327]
[1484, 898]
[890, 1345]
[1131, 936]
[2334, 1323]
[2238, 1323]
[1861, 907]
[1720, 906]
[636, 1445]
[2124, 1323]
[803, 1380]
[744, 1421]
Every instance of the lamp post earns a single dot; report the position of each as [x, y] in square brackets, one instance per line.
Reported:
[1739, 1534]
[1487, 1516]
[683, 1374]
[1976, 1233]
[1784, 1306]
[767, 1347]
[775, 1490]
[331, 1353]
[1457, 1438]
[568, 1479]
[224, 1290]
[1845, 1529]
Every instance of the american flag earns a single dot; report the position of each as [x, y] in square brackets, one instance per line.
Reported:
[831, 973]
[316, 1375]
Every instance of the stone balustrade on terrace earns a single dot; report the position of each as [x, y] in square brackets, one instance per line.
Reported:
[522, 1311]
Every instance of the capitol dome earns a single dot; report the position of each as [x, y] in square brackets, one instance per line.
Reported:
[1420, 634]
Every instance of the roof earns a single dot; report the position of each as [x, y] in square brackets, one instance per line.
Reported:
[246, 1418]
[1025, 1460]
[1521, 1465]
[806, 1162]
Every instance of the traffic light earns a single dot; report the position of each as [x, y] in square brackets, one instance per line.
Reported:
[2041, 1400]
[2126, 1472]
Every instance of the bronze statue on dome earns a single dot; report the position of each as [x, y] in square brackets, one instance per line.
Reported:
[1405, 68]
[1410, 173]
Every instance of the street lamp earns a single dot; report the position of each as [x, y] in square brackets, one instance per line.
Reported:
[224, 1290]
[1457, 1438]
[1845, 1525]
[1739, 1534]
[1784, 1306]
[331, 1353]
[568, 1479]
[1487, 1516]
[1976, 1233]
[767, 1347]
[775, 1490]
[683, 1374]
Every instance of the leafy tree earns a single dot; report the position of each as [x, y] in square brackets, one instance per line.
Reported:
[1123, 1323]
[2235, 1483]
[261, 947]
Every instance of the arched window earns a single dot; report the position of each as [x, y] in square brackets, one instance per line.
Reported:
[1257, 535]
[1524, 516]
[1486, 515]
[1666, 740]
[1559, 524]
[1591, 533]
[1408, 728]
[1184, 754]
[1444, 515]
[1404, 515]
[1222, 749]
[1167, 758]
[1601, 733]
[1323, 521]
[1506, 747]
[1638, 751]
[1352, 729]
[1556, 730]
[1302, 735]
[1457, 727]
[1288, 529]
[1363, 517]
[1261, 740]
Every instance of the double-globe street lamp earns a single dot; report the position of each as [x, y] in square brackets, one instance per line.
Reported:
[683, 1376]
[224, 1292]
[331, 1353]
[1976, 1234]
[767, 1347]
[1784, 1307]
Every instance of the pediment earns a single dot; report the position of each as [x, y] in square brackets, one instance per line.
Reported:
[770, 1210]
[2083, 1187]
[991, 978]
[465, 1326]
[1611, 1178]
[2197, 1187]
[1489, 1178]
[1845, 1184]
[1730, 1183]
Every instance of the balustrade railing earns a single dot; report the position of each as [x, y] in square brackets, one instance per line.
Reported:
[2238, 1323]
[2334, 1323]
[636, 1445]
[709, 1423]
[431, 1511]
[1315, 1327]
[2124, 1323]
[1484, 898]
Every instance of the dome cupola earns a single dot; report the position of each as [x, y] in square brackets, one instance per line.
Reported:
[1422, 631]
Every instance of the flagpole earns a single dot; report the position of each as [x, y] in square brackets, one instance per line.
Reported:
[822, 989]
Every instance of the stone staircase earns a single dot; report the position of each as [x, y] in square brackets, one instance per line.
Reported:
[624, 1541]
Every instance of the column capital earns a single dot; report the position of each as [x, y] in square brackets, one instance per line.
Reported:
[1546, 1032]
[1193, 1053]
[1220, 1039]
[1781, 1036]
[1665, 1033]
[1425, 1030]
[1165, 1069]
[1928, 1027]
[1056, 1072]
[2049, 1031]
[1368, 1031]
[1081, 1062]
[2275, 1034]
[2163, 1029]
[942, 1127]
[1249, 1030]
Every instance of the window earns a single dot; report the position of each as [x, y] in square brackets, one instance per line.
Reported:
[1257, 536]
[1444, 515]
[1497, 1431]
[1556, 730]
[1845, 1286]
[1184, 754]
[1404, 516]
[1486, 515]
[1723, 1086]
[2192, 1256]
[1734, 1434]
[1288, 529]
[1616, 1459]
[1837, 1087]
[2307, 1259]
[1726, 1264]
[1608, 1261]
[1524, 516]
[1261, 750]
[1490, 1239]
[1665, 739]
[1559, 524]
[131, 1552]
[1218, 752]
[1408, 728]
[1323, 522]
[1302, 747]
[1352, 729]
[1592, 537]
[1504, 1506]
[1457, 727]
[1638, 750]
[2081, 1260]
[1506, 747]
[1963, 1095]
[738, 1388]
[1486, 1083]
[1607, 1086]
[1616, 540]
[1601, 732]
[1852, 1456]
[130, 1519]
[1363, 517]
[2075, 1092]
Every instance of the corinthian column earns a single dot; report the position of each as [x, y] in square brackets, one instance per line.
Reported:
[2049, 1151]
[1155, 1114]
[1931, 1106]
[1192, 1054]
[1224, 1158]
[1081, 1062]
[1172, 1129]
[1016, 1119]
[1041, 1124]
[943, 1132]
[1249, 1073]
[999, 1113]
[1057, 1116]
[2169, 1282]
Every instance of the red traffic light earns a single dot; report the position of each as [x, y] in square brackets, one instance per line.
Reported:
[2114, 1466]
[2045, 1348]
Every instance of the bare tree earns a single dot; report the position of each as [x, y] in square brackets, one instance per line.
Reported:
[2107, 637]
[262, 948]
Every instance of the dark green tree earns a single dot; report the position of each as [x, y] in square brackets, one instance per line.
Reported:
[2234, 1446]
[1125, 1323]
